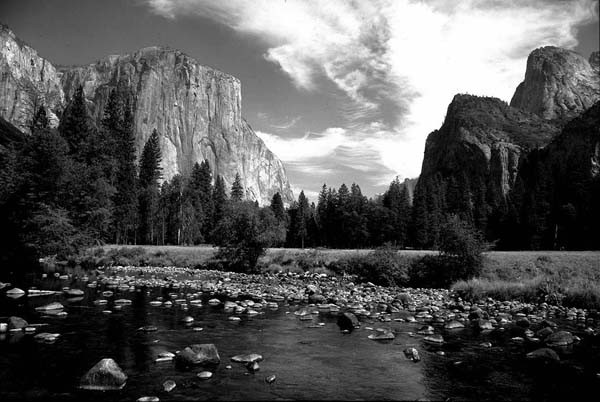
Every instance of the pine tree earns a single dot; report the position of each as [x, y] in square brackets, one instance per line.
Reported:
[40, 120]
[419, 216]
[150, 173]
[277, 207]
[302, 218]
[220, 201]
[75, 126]
[237, 190]
[126, 196]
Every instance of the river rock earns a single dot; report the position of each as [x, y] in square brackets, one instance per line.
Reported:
[46, 337]
[454, 325]
[436, 339]
[482, 325]
[560, 338]
[204, 375]
[382, 335]
[544, 354]
[252, 366]
[425, 330]
[16, 323]
[50, 307]
[348, 321]
[198, 354]
[169, 385]
[270, 379]
[148, 399]
[412, 354]
[247, 358]
[106, 375]
[15, 292]
[74, 292]
[3, 327]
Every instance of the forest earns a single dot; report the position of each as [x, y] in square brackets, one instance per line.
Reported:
[79, 185]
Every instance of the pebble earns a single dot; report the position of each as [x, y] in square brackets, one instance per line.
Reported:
[204, 375]
[169, 385]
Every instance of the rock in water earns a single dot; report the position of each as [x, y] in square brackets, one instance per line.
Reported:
[50, 307]
[199, 354]
[559, 84]
[74, 292]
[204, 375]
[248, 358]
[382, 335]
[546, 354]
[16, 323]
[454, 325]
[560, 338]
[148, 399]
[15, 292]
[348, 321]
[169, 385]
[106, 375]
[412, 354]
[270, 379]
[252, 366]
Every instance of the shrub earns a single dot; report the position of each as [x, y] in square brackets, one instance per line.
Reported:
[460, 257]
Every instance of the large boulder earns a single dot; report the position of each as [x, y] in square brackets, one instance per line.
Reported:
[16, 323]
[106, 375]
[543, 354]
[348, 321]
[199, 354]
[560, 338]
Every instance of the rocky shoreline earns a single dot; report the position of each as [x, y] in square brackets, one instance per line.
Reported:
[543, 332]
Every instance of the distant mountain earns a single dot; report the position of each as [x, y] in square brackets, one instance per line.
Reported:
[196, 109]
[472, 162]
[559, 84]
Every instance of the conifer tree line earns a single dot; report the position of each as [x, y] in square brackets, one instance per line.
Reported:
[82, 184]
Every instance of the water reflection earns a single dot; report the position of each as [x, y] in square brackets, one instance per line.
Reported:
[310, 363]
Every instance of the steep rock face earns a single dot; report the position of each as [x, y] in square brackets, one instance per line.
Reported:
[560, 186]
[26, 81]
[196, 109]
[482, 141]
[559, 84]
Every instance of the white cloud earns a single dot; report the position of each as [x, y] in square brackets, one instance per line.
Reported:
[397, 63]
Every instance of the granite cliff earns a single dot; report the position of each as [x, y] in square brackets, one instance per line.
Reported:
[483, 145]
[559, 84]
[196, 109]
[482, 141]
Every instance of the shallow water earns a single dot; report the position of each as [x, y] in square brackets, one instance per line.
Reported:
[310, 363]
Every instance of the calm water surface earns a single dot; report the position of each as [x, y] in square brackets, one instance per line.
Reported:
[310, 363]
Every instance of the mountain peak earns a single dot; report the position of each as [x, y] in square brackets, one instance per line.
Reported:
[559, 84]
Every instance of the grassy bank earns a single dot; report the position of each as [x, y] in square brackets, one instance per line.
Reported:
[571, 278]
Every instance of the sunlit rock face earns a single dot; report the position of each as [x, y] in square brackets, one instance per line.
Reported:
[26, 80]
[196, 109]
[559, 83]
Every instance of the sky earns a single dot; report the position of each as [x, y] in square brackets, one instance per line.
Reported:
[342, 91]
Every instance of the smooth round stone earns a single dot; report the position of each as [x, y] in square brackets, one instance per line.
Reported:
[148, 328]
[234, 318]
[148, 399]
[169, 385]
[155, 303]
[438, 339]
[107, 293]
[270, 379]
[204, 375]
[187, 319]
[198, 329]
[214, 302]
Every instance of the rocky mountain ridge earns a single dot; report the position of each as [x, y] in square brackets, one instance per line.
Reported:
[196, 109]
[559, 83]
[476, 156]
